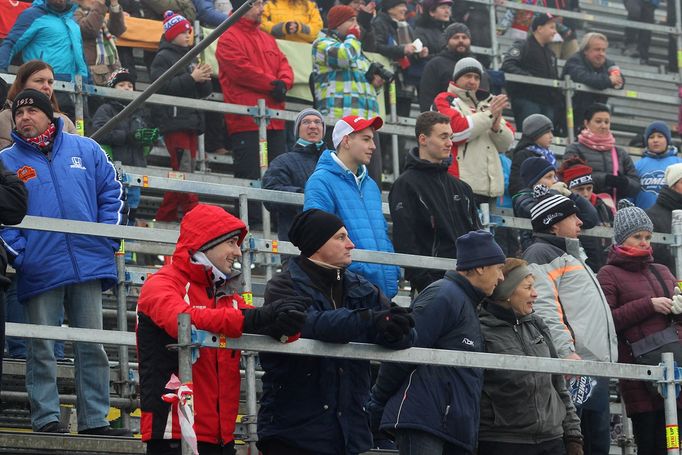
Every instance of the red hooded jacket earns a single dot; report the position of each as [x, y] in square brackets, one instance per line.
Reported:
[185, 287]
[249, 61]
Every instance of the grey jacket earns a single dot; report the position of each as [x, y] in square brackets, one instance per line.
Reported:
[517, 406]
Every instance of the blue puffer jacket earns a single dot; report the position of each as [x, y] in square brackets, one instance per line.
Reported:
[651, 172]
[315, 404]
[443, 401]
[208, 14]
[336, 191]
[48, 35]
[77, 183]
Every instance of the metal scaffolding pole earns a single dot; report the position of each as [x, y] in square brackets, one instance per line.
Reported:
[80, 109]
[263, 119]
[185, 361]
[393, 104]
[677, 241]
[670, 405]
[568, 92]
[122, 325]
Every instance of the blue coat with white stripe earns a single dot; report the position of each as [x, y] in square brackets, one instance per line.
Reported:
[336, 191]
[78, 182]
[51, 36]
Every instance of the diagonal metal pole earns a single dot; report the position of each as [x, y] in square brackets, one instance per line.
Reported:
[182, 63]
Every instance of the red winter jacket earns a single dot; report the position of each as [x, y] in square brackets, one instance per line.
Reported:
[629, 284]
[249, 61]
[186, 287]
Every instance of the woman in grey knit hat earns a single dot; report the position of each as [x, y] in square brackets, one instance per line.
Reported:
[523, 412]
[643, 301]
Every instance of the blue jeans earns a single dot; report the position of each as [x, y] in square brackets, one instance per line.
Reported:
[15, 312]
[414, 442]
[522, 108]
[83, 305]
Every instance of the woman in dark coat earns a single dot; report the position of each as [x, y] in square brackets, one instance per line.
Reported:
[639, 293]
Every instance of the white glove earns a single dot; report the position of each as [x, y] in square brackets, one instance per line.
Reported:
[677, 302]
[561, 188]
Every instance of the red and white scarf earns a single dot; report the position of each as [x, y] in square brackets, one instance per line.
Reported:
[44, 139]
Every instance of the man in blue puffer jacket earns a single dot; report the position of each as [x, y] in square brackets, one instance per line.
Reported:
[46, 31]
[67, 177]
[340, 185]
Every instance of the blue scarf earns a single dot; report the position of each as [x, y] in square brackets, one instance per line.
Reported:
[543, 152]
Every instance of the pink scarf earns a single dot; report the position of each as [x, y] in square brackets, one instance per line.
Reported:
[600, 142]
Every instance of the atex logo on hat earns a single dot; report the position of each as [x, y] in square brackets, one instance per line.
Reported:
[351, 124]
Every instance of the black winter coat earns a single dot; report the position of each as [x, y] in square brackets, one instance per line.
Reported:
[316, 403]
[430, 32]
[437, 76]
[443, 401]
[13, 206]
[121, 139]
[289, 172]
[529, 58]
[430, 208]
[661, 214]
[172, 118]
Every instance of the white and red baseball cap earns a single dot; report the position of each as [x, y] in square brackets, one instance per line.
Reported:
[351, 124]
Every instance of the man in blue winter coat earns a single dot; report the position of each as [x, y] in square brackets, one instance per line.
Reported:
[434, 410]
[314, 405]
[47, 31]
[341, 185]
[67, 177]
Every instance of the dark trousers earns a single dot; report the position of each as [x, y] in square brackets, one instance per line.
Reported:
[413, 442]
[173, 447]
[595, 420]
[649, 431]
[553, 447]
[642, 11]
[277, 447]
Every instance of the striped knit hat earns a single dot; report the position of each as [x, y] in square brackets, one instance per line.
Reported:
[549, 209]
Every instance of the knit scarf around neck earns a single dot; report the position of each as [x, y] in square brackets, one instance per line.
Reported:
[44, 139]
[543, 152]
[600, 142]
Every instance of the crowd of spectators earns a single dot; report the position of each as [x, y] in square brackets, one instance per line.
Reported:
[559, 297]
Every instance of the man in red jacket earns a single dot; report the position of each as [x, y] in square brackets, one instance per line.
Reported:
[251, 67]
[199, 281]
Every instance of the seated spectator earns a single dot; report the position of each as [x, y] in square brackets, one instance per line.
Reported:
[613, 171]
[533, 57]
[661, 213]
[251, 67]
[438, 71]
[212, 13]
[99, 37]
[430, 208]
[47, 31]
[345, 82]
[340, 185]
[479, 131]
[129, 137]
[591, 67]
[342, 307]
[658, 154]
[292, 20]
[365, 15]
[290, 171]
[536, 140]
[578, 177]
[437, 408]
[431, 24]
[180, 126]
[637, 40]
[36, 75]
[523, 412]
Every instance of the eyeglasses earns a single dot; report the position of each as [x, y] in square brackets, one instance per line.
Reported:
[311, 122]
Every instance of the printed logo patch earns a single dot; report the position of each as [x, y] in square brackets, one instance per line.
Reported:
[26, 173]
[77, 163]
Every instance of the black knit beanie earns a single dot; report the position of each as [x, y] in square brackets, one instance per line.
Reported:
[30, 97]
[311, 229]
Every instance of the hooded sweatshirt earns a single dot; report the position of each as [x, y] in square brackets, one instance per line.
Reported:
[651, 172]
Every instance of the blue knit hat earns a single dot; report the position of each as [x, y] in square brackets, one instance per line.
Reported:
[658, 127]
[532, 170]
[478, 249]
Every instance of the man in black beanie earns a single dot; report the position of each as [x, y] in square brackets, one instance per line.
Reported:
[314, 405]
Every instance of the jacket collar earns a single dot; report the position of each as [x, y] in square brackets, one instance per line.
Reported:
[505, 315]
[672, 151]
[475, 295]
[412, 161]
[669, 199]
[630, 263]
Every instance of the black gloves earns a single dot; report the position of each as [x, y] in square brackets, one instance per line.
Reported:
[280, 319]
[279, 91]
[619, 182]
[393, 324]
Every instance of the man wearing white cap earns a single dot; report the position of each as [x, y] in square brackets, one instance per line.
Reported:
[340, 185]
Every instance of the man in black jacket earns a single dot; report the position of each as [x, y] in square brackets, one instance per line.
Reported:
[591, 67]
[313, 405]
[533, 57]
[661, 213]
[430, 208]
[438, 71]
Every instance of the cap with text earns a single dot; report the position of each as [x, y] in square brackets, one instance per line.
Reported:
[352, 124]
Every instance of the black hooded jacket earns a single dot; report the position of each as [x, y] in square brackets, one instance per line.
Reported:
[661, 214]
[430, 208]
